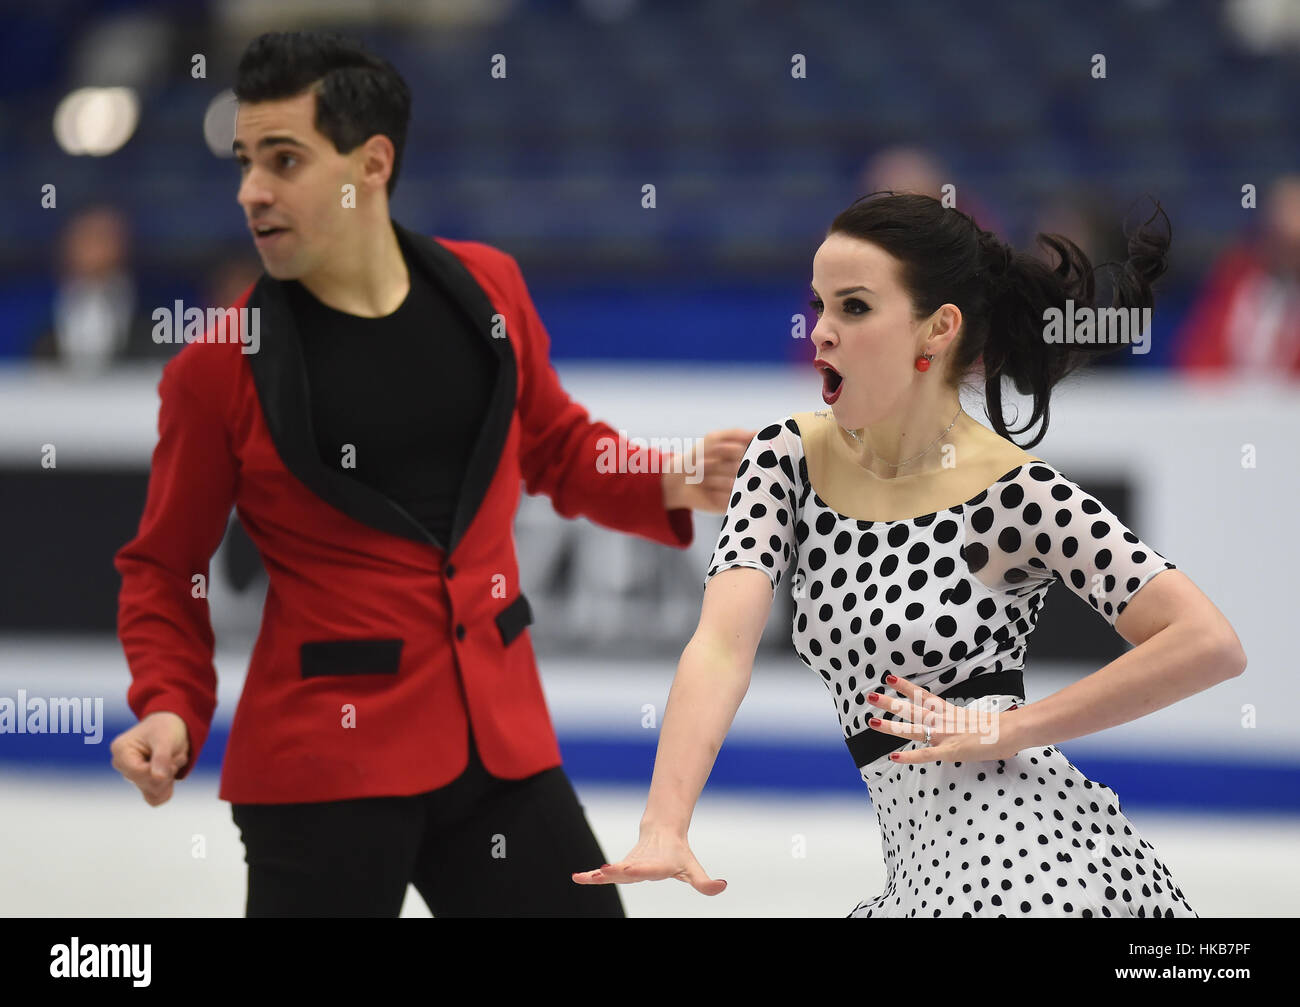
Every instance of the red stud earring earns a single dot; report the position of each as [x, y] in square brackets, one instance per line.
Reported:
[923, 361]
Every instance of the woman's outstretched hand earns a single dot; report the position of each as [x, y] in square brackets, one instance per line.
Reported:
[657, 855]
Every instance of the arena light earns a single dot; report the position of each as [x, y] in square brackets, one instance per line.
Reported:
[96, 121]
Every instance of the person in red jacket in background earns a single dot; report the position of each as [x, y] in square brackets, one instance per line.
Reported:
[371, 418]
[1246, 320]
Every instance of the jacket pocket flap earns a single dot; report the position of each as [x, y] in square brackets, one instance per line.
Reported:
[350, 657]
[512, 619]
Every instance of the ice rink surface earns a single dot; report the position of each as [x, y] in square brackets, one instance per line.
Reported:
[79, 841]
[88, 846]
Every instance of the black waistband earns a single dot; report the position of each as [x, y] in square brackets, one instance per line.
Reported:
[871, 744]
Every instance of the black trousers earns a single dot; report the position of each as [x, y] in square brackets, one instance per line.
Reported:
[480, 846]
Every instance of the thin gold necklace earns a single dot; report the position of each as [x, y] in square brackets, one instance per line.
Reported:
[899, 465]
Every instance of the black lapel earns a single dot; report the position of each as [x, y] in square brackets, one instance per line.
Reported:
[281, 381]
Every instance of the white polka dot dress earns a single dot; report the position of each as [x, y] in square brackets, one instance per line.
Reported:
[940, 600]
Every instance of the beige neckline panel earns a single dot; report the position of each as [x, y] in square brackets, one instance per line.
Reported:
[848, 489]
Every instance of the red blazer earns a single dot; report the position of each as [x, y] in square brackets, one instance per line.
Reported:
[377, 641]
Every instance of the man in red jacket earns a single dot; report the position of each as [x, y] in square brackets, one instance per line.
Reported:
[371, 415]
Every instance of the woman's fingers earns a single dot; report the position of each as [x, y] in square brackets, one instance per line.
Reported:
[909, 689]
[929, 712]
[916, 704]
[628, 872]
[902, 728]
[903, 708]
[631, 871]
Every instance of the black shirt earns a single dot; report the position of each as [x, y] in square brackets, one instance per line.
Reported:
[408, 391]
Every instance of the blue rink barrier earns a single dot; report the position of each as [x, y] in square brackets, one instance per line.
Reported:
[745, 764]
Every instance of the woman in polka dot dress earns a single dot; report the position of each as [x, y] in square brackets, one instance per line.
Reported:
[919, 547]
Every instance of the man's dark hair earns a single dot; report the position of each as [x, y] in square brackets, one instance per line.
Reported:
[358, 94]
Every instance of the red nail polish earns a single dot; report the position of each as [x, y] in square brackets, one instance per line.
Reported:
[873, 697]
[894, 756]
[891, 680]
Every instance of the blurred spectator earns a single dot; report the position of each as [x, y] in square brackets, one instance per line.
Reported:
[1247, 317]
[914, 169]
[1264, 25]
[95, 317]
[228, 280]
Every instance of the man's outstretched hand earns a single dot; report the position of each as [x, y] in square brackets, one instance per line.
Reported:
[702, 479]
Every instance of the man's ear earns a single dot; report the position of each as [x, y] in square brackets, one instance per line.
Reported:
[377, 156]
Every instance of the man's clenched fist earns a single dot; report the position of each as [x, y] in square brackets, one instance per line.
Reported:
[152, 753]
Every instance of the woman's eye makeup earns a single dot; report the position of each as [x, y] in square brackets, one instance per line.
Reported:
[852, 306]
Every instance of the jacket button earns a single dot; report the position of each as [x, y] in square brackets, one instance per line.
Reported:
[460, 631]
[450, 571]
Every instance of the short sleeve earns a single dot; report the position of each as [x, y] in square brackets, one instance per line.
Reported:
[758, 528]
[1034, 526]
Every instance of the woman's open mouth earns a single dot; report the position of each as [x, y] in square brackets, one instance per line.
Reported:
[832, 382]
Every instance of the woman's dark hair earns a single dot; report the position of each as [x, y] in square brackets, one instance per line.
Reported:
[1003, 294]
[358, 94]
